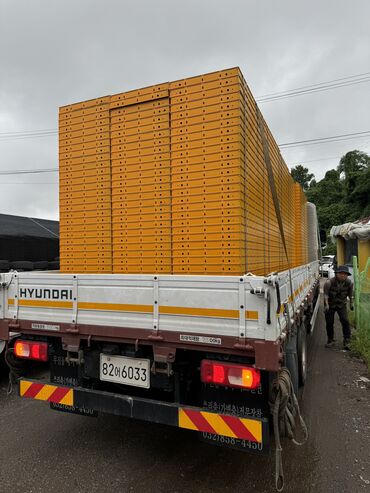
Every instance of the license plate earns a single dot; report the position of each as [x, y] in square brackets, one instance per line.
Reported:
[128, 371]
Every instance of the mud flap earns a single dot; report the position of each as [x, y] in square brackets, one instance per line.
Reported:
[243, 404]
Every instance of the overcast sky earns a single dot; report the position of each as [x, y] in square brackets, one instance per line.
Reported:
[55, 52]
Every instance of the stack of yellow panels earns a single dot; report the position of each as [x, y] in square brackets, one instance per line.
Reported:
[264, 247]
[208, 224]
[172, 179]
[141, 181]
[85, 187]
[300, 205]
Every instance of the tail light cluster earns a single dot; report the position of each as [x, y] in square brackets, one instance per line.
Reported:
[230, 374]
[34, 350]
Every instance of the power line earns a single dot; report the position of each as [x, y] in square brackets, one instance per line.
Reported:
[30, 183]
[323, 86]
[314, 160]
[28, 171]
[27, 132]
[333, 138]
[301, 93]
[313, 85]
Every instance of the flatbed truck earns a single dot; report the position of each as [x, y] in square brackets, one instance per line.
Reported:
[196, 352]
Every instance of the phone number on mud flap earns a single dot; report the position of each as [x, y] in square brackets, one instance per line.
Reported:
[233, 441]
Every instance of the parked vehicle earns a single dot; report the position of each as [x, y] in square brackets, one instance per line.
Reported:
[327, 265]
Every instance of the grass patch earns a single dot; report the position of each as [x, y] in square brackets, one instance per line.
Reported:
[360, 344]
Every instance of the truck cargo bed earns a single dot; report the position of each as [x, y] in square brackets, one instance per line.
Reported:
[223, 312]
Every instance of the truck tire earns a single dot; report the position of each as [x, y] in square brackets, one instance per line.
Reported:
[302, 353]
[291, 362]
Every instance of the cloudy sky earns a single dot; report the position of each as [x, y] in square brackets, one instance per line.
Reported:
[55, 52]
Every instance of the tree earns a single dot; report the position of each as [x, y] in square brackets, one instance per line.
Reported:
[328, 191]
[354, 169]
[343, 195]
[301, 175]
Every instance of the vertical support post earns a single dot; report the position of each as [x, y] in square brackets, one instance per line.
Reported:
[155, 304]
[74, 299]
[16, 296]
[242, 312]
[341, 253]
[357, 291]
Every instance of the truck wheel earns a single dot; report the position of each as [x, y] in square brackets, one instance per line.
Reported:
[302, 354]
[291, 362]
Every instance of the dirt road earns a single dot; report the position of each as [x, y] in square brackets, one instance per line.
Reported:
[41, 450]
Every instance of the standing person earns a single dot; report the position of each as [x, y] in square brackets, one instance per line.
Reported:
[336, 292]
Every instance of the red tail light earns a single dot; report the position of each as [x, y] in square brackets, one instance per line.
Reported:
[230, 374]
[31, 350]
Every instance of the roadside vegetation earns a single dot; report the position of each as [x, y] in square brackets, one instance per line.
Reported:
[342, 196]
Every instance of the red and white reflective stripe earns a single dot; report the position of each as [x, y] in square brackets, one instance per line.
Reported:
[221, 424]
[46, 392]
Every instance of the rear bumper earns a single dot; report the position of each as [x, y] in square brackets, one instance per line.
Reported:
[192, 418]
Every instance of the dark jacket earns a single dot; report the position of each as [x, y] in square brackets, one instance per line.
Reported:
[338, 291]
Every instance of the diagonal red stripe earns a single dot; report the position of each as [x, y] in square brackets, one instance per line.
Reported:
[238, 428]
[200, 422]
[58, 394]
[33, 390]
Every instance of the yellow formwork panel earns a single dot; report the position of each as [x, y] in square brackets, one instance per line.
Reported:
[187, 126]
[204, 115]
[200, 134]
[212, 111]
[213, 166]
[95, 129]
[205, 143]
[120, 119]
[199, 100]
[137, 121]
[204, 88]
[139, 146]
[67, 147]
[81, 122]
[213, 76]
[84, 104]
[161, 151]
[94, 151]
[150, 107]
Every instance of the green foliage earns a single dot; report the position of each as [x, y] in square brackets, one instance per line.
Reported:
[301, 175]
[342, 196]
[360, 344]
[361, 336]
[330, 249]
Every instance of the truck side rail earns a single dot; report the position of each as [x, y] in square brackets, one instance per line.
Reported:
[244, 307]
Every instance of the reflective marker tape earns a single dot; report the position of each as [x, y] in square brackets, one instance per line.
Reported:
[220, 424]
[46, 392]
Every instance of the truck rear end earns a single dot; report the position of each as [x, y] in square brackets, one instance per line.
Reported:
[197, 352]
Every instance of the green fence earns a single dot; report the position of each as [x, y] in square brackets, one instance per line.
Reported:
[361, 339]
